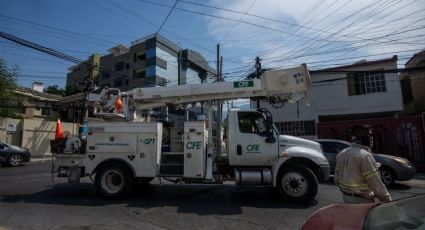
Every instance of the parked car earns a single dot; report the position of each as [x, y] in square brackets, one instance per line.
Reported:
[407, 213]
[392, 168]
[13, 155]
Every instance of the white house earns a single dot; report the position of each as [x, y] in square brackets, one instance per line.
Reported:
[357, 91]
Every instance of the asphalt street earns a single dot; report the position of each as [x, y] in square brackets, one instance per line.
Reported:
[29, 199]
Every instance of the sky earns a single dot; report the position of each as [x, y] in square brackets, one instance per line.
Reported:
[283, 33]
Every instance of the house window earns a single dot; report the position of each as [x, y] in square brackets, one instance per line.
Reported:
[127, 65]
[105, 75]
[406, 90]
[297, 128]
[45, 111]
[141, 56]
[119, 66]
[118, 82]
[126, 81]
[366, 82]
[141, 73]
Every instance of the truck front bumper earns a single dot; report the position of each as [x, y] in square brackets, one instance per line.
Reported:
[325, 172]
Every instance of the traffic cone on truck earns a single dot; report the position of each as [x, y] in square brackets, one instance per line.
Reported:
[59, 132]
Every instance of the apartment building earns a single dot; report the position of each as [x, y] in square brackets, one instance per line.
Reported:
[152, 61]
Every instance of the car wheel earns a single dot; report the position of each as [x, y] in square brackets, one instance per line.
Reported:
[15, 160]
[297, 183]
[387, 176]
[114, 181]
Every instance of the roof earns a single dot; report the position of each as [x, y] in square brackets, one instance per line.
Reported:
[416, 58]
[357, 64]
[35, 94]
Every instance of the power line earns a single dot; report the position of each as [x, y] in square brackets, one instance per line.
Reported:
[375, 38]
[58, 29]
[233, 27]
[235, 20]
[166, 18]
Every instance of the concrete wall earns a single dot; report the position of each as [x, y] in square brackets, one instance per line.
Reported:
[34, 134]
[14, 139]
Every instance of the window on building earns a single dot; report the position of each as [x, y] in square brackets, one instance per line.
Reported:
[140, 56]
[105, 75]
[297, 128]
[118, 82]
[127, 65]
[119, 66]
[126, 81]
[366, 82]
[406, 90]
[45, 111]
[140, 73]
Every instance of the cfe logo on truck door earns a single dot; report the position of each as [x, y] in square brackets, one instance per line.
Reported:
[194, 145]
[253, 148]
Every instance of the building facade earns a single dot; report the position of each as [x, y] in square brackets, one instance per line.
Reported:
[35, 103]
[364, 94]
[413, 84]
[153, 61]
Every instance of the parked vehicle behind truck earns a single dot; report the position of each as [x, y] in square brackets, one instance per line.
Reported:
[121, 154]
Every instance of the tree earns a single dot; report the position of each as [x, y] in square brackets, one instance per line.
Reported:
[54, 89]
[8, 99]
[71, 89]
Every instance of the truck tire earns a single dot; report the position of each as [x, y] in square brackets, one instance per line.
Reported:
[296, 183]
[114, 181]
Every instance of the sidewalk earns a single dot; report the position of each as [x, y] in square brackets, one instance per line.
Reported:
[418, 180]
[41, 158]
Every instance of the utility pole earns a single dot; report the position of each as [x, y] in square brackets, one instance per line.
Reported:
[257, 69]
[218, 103]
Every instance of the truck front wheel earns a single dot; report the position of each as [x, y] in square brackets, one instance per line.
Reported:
[296, 183]
[114, 181]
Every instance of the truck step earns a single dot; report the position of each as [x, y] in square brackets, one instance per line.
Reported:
[171, 169]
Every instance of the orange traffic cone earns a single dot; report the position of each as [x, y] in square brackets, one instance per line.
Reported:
[118, 104]
[59, 132]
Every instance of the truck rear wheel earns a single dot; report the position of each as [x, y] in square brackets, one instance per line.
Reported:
[114, 181]
[296, 183]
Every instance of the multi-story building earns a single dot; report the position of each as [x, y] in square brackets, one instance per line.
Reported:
[343, 98]
[413, 84]
[149, 62]
[35, 103]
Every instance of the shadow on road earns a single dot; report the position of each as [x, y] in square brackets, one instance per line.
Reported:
[197, 199]
[398, 186]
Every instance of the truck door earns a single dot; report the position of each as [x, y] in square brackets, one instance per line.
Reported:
[251, 146]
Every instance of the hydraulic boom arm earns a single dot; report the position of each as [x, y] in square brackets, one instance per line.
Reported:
[276, 85]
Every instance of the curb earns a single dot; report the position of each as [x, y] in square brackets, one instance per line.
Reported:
[41, 159]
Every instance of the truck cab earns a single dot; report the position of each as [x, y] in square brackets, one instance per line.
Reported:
[256, 150]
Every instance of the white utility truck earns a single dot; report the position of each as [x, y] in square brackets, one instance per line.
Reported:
[122, 154]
